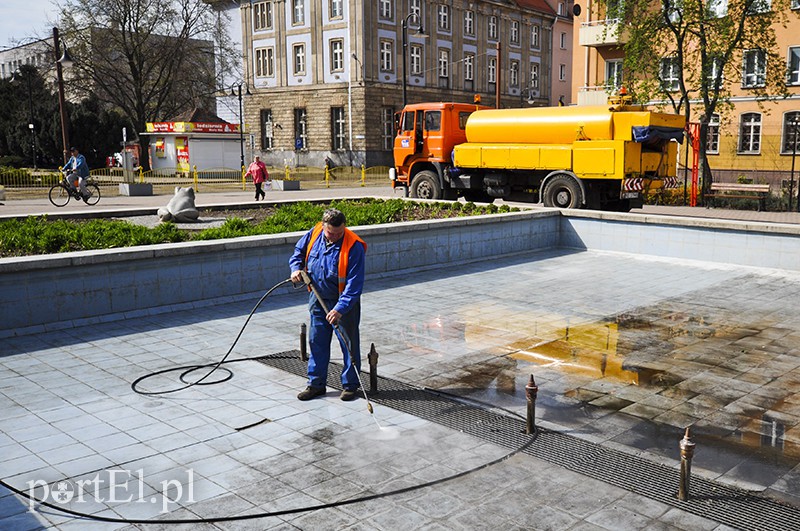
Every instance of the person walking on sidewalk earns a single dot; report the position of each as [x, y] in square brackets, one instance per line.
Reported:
[333, 256]
[258, 172]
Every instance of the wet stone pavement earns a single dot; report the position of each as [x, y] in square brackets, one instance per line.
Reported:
[626, 351]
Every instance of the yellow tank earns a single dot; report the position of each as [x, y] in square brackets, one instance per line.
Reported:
[540, 125]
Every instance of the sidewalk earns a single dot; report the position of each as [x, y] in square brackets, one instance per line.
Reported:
[41, 206]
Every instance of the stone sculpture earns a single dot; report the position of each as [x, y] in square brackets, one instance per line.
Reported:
[180, 208]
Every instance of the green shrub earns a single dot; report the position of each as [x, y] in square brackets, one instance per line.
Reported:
[38, 235]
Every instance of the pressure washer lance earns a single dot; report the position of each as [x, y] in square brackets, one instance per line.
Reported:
[342, 336]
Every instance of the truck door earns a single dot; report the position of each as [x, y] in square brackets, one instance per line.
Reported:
[409, 137]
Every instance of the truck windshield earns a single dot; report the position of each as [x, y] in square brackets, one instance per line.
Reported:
[433, 120]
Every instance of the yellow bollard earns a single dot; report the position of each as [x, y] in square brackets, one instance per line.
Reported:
[244, 179]
[141, 175]
[196, 183]
[327, 177]
[286, 168]
[363, 176]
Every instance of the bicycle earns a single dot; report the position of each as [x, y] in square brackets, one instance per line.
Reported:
[62, 191]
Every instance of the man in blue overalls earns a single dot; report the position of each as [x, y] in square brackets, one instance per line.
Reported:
[333, 256]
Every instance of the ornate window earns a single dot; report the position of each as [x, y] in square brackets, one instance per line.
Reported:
[793, 70]
[300, 129]
[336, 9]
[265, 62]
[416, 59]
[750, 133]
[712, 140]
[262, 16]
[443, 17]
[790, 140]
[387, 123]
[267, 129]
[387, 52]
[299, 54]
[298, 12]
[469, 23]
[670, 79]
[338, 135]
[337, 55]
[754, 68]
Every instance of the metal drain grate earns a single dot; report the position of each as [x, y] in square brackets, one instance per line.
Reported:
[724, 504]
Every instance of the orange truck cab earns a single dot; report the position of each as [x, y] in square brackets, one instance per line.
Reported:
[423, 147]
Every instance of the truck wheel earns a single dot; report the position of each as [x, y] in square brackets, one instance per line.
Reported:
[426, 186]
[562, 192]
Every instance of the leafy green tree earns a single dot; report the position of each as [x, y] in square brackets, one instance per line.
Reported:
[26, 100]
[691, 52]
[150, 59]
[93, 127]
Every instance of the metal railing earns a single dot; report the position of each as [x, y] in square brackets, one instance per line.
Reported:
[26, 183]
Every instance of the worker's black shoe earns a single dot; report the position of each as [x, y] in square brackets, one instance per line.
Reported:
[349, 394]
[311, 392]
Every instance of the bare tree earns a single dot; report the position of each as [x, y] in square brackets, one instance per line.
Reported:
[151, 59]
[687, 52]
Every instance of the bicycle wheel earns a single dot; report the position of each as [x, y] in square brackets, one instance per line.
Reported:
[59, 195]
[94, 194]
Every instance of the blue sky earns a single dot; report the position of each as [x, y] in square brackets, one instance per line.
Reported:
[21, 19]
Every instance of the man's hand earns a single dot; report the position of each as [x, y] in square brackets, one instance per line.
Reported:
[333, 317]
[297, 276]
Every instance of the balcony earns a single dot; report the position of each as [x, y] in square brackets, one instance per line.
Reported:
[602, 33]
[594, 95]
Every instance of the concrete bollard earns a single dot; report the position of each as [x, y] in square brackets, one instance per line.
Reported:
[687, 452]
[303, 343]
[373, 368]
[531, 390]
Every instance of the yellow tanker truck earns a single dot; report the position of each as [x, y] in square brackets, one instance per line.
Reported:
[600, 157]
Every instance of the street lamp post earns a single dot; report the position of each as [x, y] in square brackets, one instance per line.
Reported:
[795, 124]
[241, 120]
[62, 61]
[419, 33]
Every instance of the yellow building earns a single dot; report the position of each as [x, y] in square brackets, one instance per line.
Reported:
[753, 139]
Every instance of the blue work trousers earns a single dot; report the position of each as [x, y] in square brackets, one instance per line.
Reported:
[320, 337]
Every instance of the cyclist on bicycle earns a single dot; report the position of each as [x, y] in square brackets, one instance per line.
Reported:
[76, 167]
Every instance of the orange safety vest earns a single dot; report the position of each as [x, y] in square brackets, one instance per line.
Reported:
[348, 240]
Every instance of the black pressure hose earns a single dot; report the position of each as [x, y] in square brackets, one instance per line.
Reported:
[253, 516]
[202, 381]
[188, 369]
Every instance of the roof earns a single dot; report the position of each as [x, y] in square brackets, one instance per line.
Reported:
[537, 5]
[198, 115]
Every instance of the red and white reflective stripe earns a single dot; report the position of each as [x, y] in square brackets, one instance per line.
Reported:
[633, 185]
[671, 182]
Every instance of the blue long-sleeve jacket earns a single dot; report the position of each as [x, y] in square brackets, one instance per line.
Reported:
[78, 164]
[323, 268]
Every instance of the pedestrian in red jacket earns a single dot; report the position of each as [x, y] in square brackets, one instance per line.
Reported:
[258, 172]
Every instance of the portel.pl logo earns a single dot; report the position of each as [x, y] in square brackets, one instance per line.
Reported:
[111, 487]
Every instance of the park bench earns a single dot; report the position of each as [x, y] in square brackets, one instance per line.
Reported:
[739, 191]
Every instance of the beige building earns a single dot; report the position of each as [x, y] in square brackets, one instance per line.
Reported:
[753, 139]
[327, 76]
